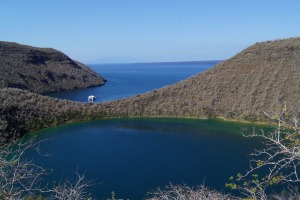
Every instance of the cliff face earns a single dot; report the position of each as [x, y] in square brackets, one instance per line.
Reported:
[42, 70]
[260, 78]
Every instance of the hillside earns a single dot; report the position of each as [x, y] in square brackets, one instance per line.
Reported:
[260, 78]
[42, 70]
[22, 111]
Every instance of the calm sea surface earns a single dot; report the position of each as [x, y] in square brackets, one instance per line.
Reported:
[134, 156]
[125, 80]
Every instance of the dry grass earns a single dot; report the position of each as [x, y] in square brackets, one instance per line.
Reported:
[258, 79]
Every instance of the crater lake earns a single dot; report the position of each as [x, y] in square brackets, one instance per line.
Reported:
[134, 156]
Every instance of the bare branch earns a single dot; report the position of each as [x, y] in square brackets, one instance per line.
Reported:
[19, 177]
[281, 155]
[183, 192]
[279, 159]
[72, 190]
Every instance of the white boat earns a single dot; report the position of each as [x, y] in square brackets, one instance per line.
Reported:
[91, 98]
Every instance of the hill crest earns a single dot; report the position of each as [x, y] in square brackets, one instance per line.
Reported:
[259, 79]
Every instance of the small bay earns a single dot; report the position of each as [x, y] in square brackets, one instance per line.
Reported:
[125, 80]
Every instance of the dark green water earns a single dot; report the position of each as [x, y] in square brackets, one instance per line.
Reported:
[134, 156]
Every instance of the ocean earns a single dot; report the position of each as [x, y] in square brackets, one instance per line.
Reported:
[125, 80]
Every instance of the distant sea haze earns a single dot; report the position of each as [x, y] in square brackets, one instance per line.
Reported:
[129, 79]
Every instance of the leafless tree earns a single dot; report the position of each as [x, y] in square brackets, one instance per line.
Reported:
[291, 194]
[72, 190]
[281, 156]
[19, 177]
[279, 159]
[183, 192]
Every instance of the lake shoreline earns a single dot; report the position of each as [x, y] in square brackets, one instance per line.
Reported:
[220, 119]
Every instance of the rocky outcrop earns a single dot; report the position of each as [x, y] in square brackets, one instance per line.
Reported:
[42, 70]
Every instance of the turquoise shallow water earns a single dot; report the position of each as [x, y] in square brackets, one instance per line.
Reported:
[135, 156]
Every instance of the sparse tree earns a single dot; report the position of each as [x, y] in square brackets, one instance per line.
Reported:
[183, 192]
[72, 190]
[279, 159]
[19, 177]
[292, 193]
[281, 156]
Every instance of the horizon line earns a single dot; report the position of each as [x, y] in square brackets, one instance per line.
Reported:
[155, 62]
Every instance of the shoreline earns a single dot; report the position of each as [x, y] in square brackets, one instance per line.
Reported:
[220, 119]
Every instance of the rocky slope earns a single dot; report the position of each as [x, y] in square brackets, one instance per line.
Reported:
[42, 70]
[260, 78]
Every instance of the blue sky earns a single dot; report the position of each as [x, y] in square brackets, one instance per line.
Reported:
[100, 31]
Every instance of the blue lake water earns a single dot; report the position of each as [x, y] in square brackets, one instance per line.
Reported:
[135, 156]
